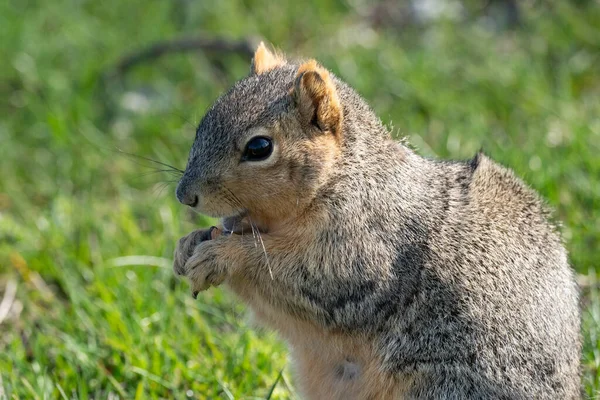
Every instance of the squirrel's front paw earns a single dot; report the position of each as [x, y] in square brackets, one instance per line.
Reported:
[186, 245]
[203, 268]
[196, 258]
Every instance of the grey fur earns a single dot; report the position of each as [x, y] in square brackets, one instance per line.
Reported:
[451, 268]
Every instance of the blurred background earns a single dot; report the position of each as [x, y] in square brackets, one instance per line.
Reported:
[91, 92]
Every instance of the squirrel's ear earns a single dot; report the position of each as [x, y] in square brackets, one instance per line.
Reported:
[264, 60]
[316, 97]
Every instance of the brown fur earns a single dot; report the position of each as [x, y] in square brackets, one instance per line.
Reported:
[390, 276]
[265, 61]
[315, 94]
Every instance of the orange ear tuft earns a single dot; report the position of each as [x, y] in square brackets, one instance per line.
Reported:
[317, 99]
[264, 60]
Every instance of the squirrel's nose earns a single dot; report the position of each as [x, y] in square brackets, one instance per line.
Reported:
[186, 195]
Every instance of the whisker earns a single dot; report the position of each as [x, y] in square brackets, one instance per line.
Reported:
[140, 179]
[172, 168]
[157, 191]
[230, 199]
[167, 170]
[253, 233]
[157, 171]
[185, 119]
[234, 197]
[237, 203]
[264, 249]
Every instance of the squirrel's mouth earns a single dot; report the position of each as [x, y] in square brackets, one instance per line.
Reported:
[241, 223]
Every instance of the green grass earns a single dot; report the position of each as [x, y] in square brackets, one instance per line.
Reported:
[87, 322]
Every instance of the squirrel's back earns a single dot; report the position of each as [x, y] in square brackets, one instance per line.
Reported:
[495, 291]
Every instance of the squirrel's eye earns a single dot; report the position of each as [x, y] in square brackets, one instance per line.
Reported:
[258, 148]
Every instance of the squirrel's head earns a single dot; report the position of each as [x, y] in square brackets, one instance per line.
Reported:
[267, 145]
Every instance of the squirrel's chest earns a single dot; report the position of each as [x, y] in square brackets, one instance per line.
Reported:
[332, 366]
[338, 367]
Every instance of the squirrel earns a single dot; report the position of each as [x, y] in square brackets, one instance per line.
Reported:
[389, 275]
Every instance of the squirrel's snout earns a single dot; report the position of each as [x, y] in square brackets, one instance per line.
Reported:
[186, 196]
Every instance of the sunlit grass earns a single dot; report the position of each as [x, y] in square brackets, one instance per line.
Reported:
[87, 232]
